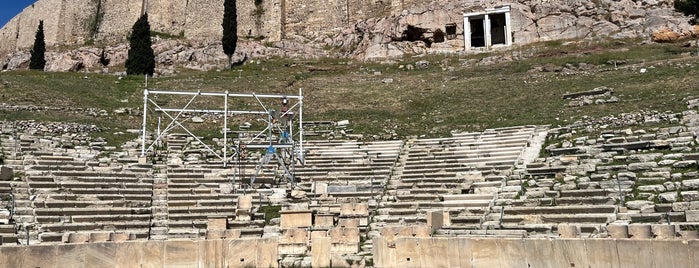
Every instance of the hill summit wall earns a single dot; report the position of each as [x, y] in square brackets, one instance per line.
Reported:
[350, 24]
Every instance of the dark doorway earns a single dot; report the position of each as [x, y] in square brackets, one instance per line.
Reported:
[497, 29]
[477, 32]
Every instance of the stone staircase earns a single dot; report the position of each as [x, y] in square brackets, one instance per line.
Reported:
[159, 226]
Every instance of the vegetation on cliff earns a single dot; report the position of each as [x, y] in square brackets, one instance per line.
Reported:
[141, 58]
[230, 29]
[38, 60]
[689, 8]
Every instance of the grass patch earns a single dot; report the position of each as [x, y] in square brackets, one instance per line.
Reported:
[271, 212]
[453, 93]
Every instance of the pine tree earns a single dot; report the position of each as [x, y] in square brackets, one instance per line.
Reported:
[689, 8]
[141, 59]
[230, 29]
[37, 61]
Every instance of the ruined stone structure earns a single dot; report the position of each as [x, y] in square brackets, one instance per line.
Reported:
[491, 198]
[367, 28]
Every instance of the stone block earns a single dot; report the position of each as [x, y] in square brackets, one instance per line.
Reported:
[9, 256]
[181, 253]
[384, 256]
[629, 253]
[293, 249]
[217, 223]
[407, 253]
[232, 233]
[571, 252]
[663, 231]
[295, 219]
[692, 215]
[344, 248]
[432, 252]
[349, 222]
[245, 202]
[78, 238]
[142, 160]
[324, 220]
[639, 231]
[354, 209]
[320, 187]
[118, 237]
[512, 252]
[146, 254]
[100, 255]
[253, 252]
[211, 253]
[99, 237]
[392, 232]
[465, 248]
[435, 220]
[671, 253]
[618, 231]
[320, 252]
[39, 256]
[689, 235]
[693, 247]
[318, 233]
[642, 166]
[6, 173]
[601, 253]
[568, 231]
[546, 252]
[215, 234]
[446, 219]
[344, 235]
[294, 236]
[267, 256]
[485, 253]
[341, 188]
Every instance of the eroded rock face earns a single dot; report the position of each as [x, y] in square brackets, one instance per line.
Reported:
[369, 31]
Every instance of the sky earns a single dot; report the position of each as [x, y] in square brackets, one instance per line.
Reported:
[10, 8]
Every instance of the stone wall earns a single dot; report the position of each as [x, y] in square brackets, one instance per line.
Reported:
[490, 252]
[172, 253]
[403, 252]
[359, 26]
[302, 17]
[110, 21]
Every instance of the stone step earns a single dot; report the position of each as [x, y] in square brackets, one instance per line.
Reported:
[456, 197]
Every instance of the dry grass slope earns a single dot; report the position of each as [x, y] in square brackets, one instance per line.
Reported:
[456, 92]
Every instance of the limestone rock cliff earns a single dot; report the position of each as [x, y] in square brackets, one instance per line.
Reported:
[363, 29]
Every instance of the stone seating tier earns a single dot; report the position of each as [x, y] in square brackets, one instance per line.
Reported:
[49, 203]
[90, 211]
[57, 237]
[35, 178]
[94, 226]
[457, 231]
[560, 210]
[88, 185]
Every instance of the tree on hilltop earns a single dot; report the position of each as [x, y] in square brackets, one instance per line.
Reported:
[230, 29]
[141, 59]
[37, 60]
[688, 8]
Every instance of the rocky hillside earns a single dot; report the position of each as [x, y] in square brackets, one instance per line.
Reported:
[78, 31]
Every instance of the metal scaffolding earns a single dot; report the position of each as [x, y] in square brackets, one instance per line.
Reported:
[286, 149]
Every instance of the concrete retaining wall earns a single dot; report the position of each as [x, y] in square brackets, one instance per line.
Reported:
[491, 252]
[173, 253]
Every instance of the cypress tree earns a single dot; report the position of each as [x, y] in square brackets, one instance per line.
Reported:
[37, 61]
[141, 59]
[230, 29]
[688, 8]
